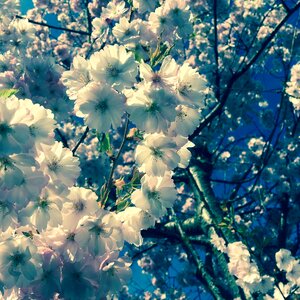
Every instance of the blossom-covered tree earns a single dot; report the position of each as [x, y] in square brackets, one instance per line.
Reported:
[150, 149]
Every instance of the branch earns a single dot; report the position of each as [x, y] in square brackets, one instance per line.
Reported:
[202, 273]
[285, 5]
[54, 27]
[89, 19]
[216, 50]
[62, 138]
[81, 140]
[283, 226]
[218, 108]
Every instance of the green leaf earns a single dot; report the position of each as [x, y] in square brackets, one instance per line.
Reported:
[135, 177]
[8, 92]
[123, 203]
[162, 50]
[104, 143]
[103, 195]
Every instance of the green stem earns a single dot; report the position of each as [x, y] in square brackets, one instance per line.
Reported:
[114, 165]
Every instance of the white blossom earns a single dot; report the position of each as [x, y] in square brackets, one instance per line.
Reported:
[155, 195]
[77, 78]
[157, 154]
[115, 66]
[101, 106]
[99, 234]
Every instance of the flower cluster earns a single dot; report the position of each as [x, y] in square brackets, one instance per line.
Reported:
[249, 278]
[241, 266]
[97, 118]
[293, 87]
[77, 241]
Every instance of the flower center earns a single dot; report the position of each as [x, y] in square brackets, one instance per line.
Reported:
[79, 206]
[5, 163]
[156, 152]
[156, 78]
[181, 115]
[127, 32]
[53, 166]
[71, 237]
[4, 129]
[84, 78]
[18, 258]
[33, 130]
[153, 195]
[43, 203]
[185, 89]
[153, 107]
[97, 229]
[113, 71]
[101, 106]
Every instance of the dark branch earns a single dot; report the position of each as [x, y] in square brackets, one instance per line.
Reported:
[285, 5]
[81, 140]
[54, 27]
[216, 49]
[218, 108]
[62, 137]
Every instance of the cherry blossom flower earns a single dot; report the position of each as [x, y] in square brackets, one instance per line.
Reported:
[126, 33]
[165, 77]
[284, 259]
[41, 122]
[115, 66]
[59, 163]
[145, 6]
[156, 154]
[14, 132]
[48, 282]
[99, 234]
[133, 221]
[24, 186]
[43, 210]
[293, 87]
[19, 261]
[79, 203]
[191, 87]
[114, 10]
[101, 106]
[186, 121]
[78, 280]
[77, 78]
[155, 195]
[115, 272]
[151, 110]
[293, 272]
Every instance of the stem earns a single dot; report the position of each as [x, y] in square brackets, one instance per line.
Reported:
[54, 27]
[114, 165]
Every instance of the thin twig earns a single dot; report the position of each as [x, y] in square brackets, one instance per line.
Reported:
[81, 140]
[53, 26]
[215, 8]
[62, 138]
[219, 107]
